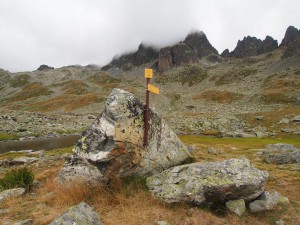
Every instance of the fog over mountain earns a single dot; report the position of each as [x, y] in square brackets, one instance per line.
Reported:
[59, 33]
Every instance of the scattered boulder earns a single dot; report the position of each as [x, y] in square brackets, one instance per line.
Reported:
[279, 222]
[212, 182]
[24, 160]
[236, 206]
[114, 144]
[78, 214]
[212, 151]
[199, 43]
[281, 154]
[296, 118]
[291, 35]
[267, 201]
[11, 193]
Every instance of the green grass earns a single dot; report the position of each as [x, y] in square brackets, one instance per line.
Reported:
[59, 151]
[5, 137]
[238, 142]
[17, 178]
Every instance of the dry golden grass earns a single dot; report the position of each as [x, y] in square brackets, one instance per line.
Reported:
[218, 96]
[67, 103]
[272, 118]
[281, 90]
[29, 91]
[130, 203]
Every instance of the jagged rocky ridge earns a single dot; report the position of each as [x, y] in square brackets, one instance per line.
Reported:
[196, 46]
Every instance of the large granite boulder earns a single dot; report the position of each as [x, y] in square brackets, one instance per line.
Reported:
[211, 182]
[291, 35]
[78, 214]
[200, 44]
[280, 154]
[114, 144]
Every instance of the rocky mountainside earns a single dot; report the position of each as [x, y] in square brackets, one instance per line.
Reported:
[255, 95]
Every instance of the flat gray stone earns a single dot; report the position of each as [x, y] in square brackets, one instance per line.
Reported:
[212, 182]
[236, 206]
[78, 214]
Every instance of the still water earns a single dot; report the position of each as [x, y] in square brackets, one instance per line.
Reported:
[39, 144]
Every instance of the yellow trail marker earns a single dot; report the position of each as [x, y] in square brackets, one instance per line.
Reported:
[148, 73]
[153, 89]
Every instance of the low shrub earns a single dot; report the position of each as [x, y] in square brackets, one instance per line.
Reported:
[17, 178]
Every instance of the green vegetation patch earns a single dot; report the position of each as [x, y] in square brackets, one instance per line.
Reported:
[20, 81]
[235, 75]
[31, 90]
[5, 137]
[191, 75]
[102, 78]
[17, 178]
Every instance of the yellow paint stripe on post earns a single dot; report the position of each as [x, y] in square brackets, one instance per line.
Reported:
[148, 73]
[153, 89]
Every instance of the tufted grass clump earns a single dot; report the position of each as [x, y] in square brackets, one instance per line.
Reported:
[17, 178]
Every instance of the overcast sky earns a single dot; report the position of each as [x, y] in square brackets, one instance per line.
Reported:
[68, 32]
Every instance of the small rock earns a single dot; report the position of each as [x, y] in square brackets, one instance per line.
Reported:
[11, 193]
[259, 118]
[161, 222]
[279, 222]
[24, 222]
[236, 206]
[78, 214]
[4, 211]
[267, 201]
[212, 150]
[296, 118]
[284, 121]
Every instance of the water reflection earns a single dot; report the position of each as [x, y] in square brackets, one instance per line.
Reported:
[39, 144]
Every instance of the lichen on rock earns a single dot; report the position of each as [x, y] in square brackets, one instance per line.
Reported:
[212, 182]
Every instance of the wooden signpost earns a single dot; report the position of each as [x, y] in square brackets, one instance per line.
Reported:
[155, 90]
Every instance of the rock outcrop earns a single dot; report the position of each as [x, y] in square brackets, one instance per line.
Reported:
[199, 43]
[268, 45]
[212, 182]
[177, 55]
[225, 53]
[183, 54]
[78, 214]
[291, 35]
[165, 59]
[125, 62]
[247, 47]
[293, 49]
[113, 144]
[45, 68]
